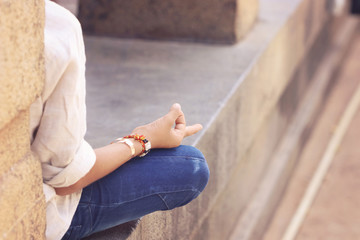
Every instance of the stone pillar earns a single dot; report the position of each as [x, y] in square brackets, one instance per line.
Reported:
[218, 21]
[22, 211]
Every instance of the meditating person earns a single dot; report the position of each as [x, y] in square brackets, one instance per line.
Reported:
[88, 190]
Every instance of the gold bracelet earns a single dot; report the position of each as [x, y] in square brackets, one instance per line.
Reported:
[127, 142]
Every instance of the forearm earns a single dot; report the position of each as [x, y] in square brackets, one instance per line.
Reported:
[108, 158]
[161, 133]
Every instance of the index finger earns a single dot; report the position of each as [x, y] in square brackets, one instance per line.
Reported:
[191, 130]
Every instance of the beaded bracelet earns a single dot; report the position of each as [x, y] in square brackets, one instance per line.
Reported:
[146, 145]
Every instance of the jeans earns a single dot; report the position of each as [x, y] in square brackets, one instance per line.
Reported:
[162, 180]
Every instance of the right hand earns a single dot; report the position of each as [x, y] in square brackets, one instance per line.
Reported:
[161, 132]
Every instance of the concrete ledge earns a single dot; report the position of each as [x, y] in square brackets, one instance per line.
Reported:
[308, 159]
[255, 216]
[245, 97]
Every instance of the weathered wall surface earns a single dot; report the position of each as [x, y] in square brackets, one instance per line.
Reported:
[22, 212]
[210, 21]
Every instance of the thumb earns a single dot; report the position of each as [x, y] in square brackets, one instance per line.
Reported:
[175, 107]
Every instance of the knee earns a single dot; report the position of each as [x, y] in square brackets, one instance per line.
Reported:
[198, 173]
[190, 176]
[193, 175]
[190, 151]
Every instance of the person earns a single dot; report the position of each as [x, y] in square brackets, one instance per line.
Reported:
[88, 190]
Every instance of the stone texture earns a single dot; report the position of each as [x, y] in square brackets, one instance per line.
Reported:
[14, 141]
[194, 20]
[21, 56]
[21, 192]
[31, 226]
[22, 212]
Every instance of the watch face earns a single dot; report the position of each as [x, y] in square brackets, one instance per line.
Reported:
[148, 146]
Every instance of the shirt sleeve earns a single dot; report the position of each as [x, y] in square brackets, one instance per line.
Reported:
[59, 139]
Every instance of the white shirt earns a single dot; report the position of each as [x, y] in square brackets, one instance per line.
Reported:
[58, 118]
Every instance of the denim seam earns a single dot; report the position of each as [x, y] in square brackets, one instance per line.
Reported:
[112, 204]
[91, 219]
[163, 200]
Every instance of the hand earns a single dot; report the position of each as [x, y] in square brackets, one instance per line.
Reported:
[161, 132]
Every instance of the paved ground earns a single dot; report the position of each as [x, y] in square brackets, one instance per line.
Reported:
[334, 214]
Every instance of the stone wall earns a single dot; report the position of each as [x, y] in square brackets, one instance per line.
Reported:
[192, 20]
[22, 212]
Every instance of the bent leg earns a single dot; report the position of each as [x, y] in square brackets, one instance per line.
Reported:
[162, 180]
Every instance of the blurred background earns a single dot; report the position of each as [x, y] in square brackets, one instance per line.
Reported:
[274, 82]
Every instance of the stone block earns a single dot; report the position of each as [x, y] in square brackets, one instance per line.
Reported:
[192, 20]
[21, 56]
[31, 226]
[21, 191]
[15, 141]
[247, 12]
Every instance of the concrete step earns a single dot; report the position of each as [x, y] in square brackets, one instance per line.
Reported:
[245, 95]
[333, 214]
[287, 153]
[321, 222]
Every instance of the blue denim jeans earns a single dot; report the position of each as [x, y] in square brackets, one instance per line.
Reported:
[162, 180]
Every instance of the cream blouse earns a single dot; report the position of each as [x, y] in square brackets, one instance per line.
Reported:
[58, 118]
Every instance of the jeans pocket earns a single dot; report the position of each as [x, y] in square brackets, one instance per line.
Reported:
[72, 233]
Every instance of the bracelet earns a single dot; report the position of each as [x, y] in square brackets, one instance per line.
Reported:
[127, 142]
[146, 145]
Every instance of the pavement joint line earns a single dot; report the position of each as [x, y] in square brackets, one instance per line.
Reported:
[322, 168]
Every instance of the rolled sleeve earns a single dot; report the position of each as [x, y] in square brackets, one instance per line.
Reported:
[58, 117]
[82, 162]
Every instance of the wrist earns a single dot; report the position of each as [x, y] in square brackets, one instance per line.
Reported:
[134, 147]
[137, 146]
[145, 143]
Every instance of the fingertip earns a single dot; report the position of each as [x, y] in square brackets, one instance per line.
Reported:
[176, 106]
[191, 130]
[199, 127]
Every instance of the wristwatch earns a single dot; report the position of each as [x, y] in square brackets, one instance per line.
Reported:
[147, 145]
